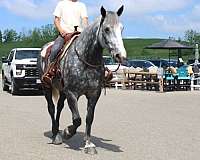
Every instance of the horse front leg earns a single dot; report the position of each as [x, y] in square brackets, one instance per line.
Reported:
[92, 101]
[72, 100]
[57, 139]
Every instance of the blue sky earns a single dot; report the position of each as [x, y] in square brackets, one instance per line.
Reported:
[141, 18]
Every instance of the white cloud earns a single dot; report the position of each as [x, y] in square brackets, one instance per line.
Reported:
[43, 9]
[177, 23]
[164, 15]
[140, 7]
[30, 8]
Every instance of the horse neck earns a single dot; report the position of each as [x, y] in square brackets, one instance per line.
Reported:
[88, 46]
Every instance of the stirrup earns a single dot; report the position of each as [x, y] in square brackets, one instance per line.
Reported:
[49, 75]
[47, 80]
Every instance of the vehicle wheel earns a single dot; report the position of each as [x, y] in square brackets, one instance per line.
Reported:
[14, 89]
[4, 86]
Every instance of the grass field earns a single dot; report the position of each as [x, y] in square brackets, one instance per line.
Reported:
[136, 50]
[134, 47]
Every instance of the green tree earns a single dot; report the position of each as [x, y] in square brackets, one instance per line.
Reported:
[35, 37]
[9, 35]
[192, 37]
[48, 32]
[1, 37]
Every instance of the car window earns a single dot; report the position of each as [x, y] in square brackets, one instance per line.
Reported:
[26, 54]
[156, 62]
[147, 64]
[131, 63]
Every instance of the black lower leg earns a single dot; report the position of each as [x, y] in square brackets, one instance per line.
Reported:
[51, 110]
[60, 106]
[72, 128]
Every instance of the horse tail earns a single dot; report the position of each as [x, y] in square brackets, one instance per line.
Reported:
[55, 94]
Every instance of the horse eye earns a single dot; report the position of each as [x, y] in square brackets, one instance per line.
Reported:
[107, 29]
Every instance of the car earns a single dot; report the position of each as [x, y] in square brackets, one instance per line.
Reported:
[191, 61]
[20, 71]
[112, 65]
[193, 64]
[164, 62]
[145, 64]
[115, 68]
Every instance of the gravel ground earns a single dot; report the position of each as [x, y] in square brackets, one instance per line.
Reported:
[128, 125]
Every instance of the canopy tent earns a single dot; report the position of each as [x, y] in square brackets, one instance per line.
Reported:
[171, 45]
[168, 44]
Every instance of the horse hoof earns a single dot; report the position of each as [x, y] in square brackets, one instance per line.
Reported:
[90, 150]
[69, 132]
[57, 140]
[66, 134]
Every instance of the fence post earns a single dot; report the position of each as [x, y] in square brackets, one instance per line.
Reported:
[160, 77]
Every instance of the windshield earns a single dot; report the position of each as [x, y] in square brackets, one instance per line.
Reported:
[156, 62]
[26, 54]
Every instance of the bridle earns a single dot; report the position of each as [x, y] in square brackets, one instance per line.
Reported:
[92, 65]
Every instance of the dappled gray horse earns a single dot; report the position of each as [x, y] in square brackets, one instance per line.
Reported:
[83, 73]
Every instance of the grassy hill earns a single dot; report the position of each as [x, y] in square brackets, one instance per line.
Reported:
[136, 50]
[134, 47]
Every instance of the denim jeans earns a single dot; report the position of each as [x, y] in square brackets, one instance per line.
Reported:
[58, 44]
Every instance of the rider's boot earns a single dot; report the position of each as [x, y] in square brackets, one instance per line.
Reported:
[49, 74]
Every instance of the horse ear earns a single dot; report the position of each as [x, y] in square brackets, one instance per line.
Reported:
[120, 10]
[103, 12]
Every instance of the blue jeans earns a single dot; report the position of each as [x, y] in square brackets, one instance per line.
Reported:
[58, 44]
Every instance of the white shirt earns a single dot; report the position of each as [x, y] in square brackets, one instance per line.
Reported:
[70, 14]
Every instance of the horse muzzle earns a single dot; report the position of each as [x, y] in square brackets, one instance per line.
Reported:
[119, 56]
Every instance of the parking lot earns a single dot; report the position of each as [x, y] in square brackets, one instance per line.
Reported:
[128, 125]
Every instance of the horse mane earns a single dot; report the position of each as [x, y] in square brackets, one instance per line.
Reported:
[88, 36]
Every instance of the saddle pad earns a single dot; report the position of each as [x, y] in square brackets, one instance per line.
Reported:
[67, 45]
[46, 48]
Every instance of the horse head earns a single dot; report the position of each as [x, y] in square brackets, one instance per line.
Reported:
[110, 36]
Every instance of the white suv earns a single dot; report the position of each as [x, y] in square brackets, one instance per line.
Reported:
[20, 71]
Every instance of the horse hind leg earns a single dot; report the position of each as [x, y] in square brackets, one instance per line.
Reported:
[73, 105]
[57, 139]
[90, 148]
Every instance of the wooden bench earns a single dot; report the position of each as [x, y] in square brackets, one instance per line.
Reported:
[143, 80]
[135, 80]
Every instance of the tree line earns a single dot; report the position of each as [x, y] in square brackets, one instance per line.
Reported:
[39, 36]
[35, 37]
[192, 37]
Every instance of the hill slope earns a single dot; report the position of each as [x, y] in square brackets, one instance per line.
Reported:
[134, 48]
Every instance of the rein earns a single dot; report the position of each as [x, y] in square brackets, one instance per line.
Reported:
[117, 68]
[84, 61]
[87, 63]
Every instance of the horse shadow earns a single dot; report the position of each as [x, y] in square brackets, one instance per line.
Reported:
[77, 143]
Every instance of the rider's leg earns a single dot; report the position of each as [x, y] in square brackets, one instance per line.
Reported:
[49, 74]
[58, 44]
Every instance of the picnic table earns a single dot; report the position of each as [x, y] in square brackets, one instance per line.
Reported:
[138, 80]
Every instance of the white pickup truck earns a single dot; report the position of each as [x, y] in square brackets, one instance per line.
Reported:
[20, 71]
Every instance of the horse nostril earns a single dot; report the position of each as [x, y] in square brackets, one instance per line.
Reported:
[119, 58]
